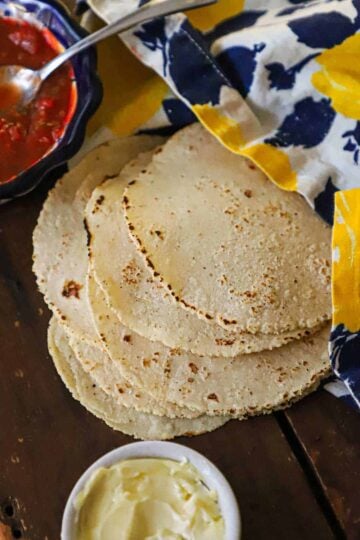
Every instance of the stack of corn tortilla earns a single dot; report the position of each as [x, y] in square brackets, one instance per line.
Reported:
[186, 288]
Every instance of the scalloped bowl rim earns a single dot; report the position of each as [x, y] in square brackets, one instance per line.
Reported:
[88, 102]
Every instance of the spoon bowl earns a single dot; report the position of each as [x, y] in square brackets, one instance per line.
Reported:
[18, 86]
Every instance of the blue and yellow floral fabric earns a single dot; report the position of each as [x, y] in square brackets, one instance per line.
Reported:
[277, 81]
[345, 335]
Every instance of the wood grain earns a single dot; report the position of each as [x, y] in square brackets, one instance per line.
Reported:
[328, 431]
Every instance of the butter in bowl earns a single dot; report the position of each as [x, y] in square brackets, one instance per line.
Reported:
[152, 490]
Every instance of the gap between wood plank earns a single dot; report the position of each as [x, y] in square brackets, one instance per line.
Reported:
[311, 475]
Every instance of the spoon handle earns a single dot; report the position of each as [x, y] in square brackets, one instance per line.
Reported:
[143, 14]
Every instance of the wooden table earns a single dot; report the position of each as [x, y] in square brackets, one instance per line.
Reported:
[296, 473]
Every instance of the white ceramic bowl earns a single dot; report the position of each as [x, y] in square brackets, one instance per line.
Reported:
[213, 478]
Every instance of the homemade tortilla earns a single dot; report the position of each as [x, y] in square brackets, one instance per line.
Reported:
[139, 425]
[139, 301]
[60, 257]
[247, 384]
[67, 242]
[142, 386]
[108, 376]
[226, 242]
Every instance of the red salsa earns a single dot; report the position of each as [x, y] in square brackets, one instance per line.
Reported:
[28, 133]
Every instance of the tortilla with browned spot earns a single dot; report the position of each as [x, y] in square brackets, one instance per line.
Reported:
[246, 384]
[139, 301]
[60, 260]
[84, 389]
[233, 246]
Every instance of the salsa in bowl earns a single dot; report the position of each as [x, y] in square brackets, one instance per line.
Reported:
[39, 137]
[28, 133]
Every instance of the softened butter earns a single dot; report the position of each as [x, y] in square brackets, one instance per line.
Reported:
[148, 499]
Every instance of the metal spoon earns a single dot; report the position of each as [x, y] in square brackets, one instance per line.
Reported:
[26, 82]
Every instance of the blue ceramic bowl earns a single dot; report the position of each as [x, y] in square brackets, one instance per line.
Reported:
[52, 15]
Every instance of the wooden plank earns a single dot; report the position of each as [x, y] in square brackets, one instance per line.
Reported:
[47, 439]
[329, 432]
[272, 491]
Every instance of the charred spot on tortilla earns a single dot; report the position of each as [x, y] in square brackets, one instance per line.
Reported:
[107, 177]
[126, 202]
[71, 289]
[160, 234]
[193, 367]
[131, 273]
[227, 322]
[226, 342]
[98, 203]
[150, 263]
[88, 233]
